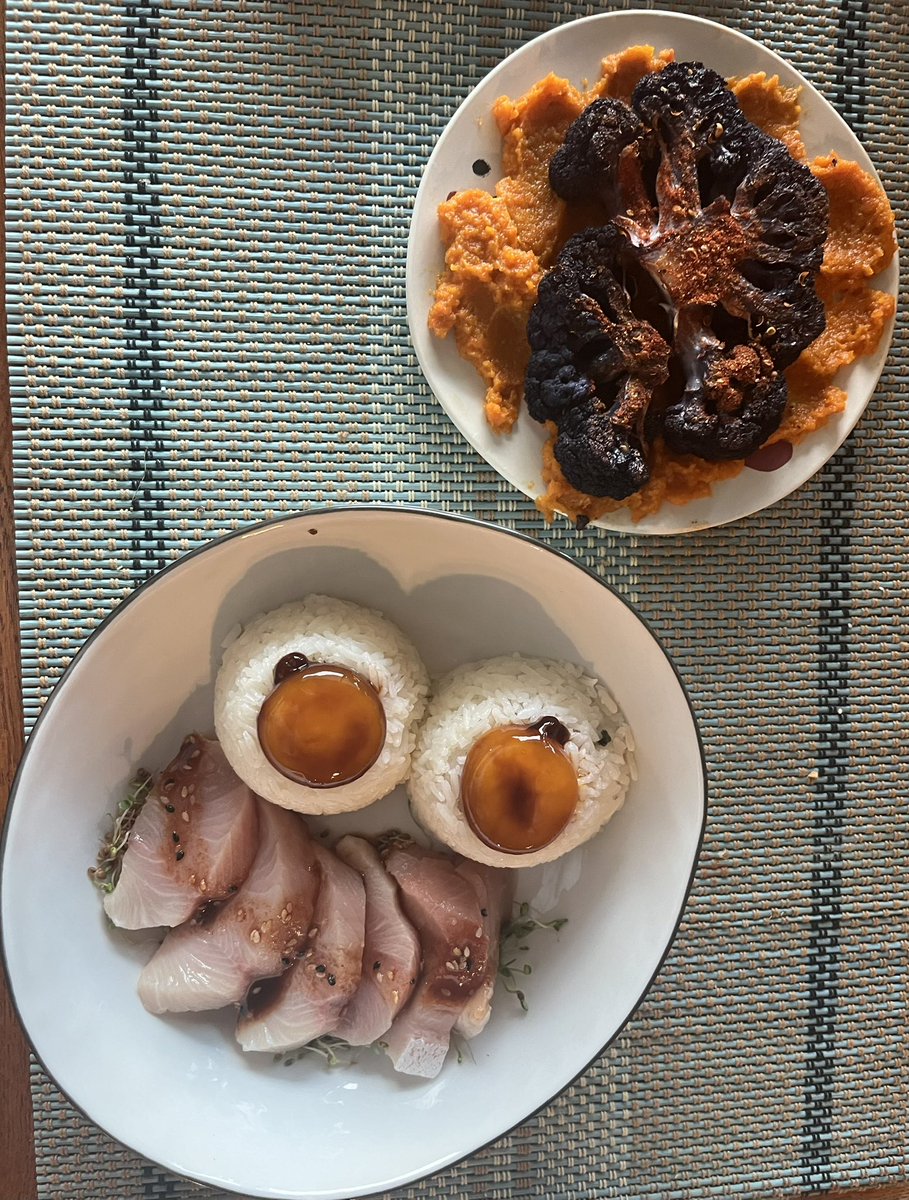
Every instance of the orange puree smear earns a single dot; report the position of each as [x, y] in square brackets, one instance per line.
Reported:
[498, 248]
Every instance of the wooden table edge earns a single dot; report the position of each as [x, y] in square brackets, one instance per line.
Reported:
[17, 1145]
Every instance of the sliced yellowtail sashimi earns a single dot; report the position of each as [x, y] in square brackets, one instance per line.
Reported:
[211, 962]
[305, 1002]
[391, 955]
[445, 911]
[495, 891]
[194, 841]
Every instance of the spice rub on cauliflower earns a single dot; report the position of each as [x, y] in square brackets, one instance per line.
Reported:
[674, 293]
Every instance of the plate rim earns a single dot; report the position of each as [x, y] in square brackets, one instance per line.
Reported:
[416, 316]
[305, 516]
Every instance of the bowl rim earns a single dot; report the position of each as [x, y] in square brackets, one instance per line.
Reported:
[307, 515]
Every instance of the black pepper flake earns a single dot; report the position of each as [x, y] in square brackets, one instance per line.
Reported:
[179, 855]
[377, 966]
[451, 195]
[175, 836]
[331, 981]
[320, 969]
[484, 912]
[481, 167]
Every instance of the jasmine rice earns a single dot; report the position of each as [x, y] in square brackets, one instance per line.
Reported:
[479, 697]
[327, 631]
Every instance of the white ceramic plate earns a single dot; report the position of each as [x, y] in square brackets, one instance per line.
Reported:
[178, 1089]
[575, 50]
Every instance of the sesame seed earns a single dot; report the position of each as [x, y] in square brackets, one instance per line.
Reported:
[179, 855]
[184, 815]
[255, 936]
[478, 933]
[331, 981]
[184, 792]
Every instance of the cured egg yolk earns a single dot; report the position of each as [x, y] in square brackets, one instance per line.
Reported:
[519, 787]
[323, 725]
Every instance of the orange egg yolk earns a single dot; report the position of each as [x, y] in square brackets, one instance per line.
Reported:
[519, 787]
[323, 725]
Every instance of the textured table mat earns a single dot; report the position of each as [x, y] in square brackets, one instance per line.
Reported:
[208, 212]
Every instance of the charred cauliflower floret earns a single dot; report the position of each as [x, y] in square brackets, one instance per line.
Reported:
[713, 229]
[594, 366]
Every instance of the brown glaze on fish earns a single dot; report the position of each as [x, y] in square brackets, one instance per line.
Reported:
[255, 934]
[193, 842]
[445, 910]
[308, 999]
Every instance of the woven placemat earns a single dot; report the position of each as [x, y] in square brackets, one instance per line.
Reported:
[208, 211]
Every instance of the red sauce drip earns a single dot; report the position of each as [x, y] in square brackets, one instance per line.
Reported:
[770, 458]
[518, 787]
[323, 725]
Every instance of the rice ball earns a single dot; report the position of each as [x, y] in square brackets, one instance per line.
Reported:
[323, 630]
[475, 700]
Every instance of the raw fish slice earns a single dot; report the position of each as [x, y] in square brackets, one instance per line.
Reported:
[445, 911]
[200, 801]
[391, 955]
[212, 961]
[495, 891]
[306, 1001]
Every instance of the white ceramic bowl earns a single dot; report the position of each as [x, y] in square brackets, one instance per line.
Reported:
[178, 1089]
[575, 51]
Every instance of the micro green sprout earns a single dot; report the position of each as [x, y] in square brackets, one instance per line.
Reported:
[514, 934]
[105, 873]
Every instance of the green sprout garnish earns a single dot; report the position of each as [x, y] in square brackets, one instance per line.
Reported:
[392, 839]
[106, 872]
[520, 927]
[462, 1049]
[335, 1052]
